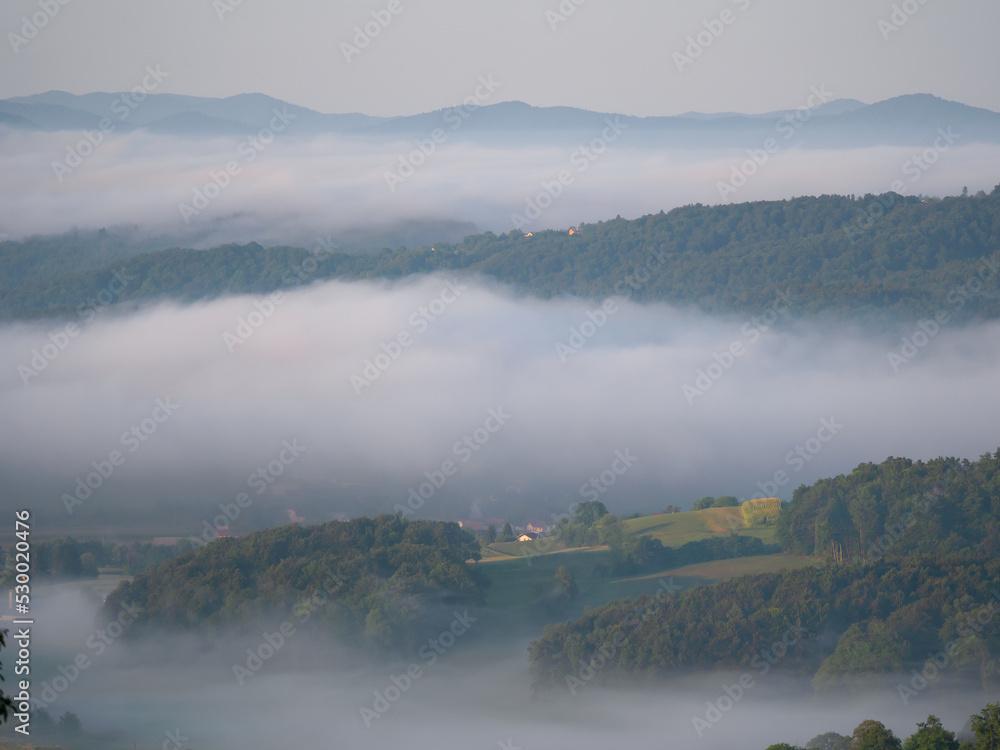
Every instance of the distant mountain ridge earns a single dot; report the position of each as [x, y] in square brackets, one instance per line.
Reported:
[912, 119]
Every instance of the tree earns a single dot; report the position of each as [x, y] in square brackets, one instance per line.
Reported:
[862, 650]
[986, 726]
[491, 534]
[88, 564]
[562, 594]
[873, 735]
[566, 582]
[829, 741]
[723, 501]
[6, 704]
[507, 535]
[589, 512]
[783, 746]
[931, 736]
[66, 557]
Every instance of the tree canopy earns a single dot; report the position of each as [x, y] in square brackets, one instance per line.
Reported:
[389, 580]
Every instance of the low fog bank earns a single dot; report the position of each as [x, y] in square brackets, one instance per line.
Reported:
[475, 696]
[457, 400]
[291, 189]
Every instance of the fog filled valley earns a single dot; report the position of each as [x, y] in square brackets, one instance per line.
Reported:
[506, 406]
[477, 694]
[507, 376]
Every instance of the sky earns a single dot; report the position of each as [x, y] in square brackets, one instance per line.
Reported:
[757, 56]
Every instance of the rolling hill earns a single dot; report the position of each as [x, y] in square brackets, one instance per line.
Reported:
[874, 257]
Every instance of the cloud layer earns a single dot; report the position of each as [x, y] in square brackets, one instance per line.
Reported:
[289, 189]
[382, 383]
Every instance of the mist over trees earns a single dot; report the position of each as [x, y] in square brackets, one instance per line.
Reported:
[867, 256]
[906, 566]
[384, 582]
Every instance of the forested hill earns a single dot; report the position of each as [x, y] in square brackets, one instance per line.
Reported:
[884, 255]
[909, 568]
[385, 582]
[947, 508]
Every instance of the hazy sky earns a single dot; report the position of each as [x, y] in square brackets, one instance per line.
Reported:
[608, 56]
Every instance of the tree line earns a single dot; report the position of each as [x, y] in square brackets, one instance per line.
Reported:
[904, 586]
[732, 258]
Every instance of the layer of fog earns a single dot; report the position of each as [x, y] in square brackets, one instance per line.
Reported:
[474, 695]
[302, 376]
[289, 190]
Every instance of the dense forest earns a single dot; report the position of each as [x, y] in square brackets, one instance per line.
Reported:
[912, 575]
[833, 624]
[383, 581]
[886, 255]
[945, 507]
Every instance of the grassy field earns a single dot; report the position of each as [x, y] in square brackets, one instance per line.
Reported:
[677, 529]
[515, 599]
[521, 573]
[722, 570]
[672, 529]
